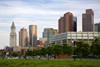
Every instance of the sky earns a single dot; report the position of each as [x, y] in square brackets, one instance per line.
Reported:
[43, 13]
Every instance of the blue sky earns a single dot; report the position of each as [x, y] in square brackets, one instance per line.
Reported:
[43, 13]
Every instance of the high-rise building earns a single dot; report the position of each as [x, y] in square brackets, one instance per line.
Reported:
[48, 32]
[97, 27]
[23, 37]
[55, 31]
[67, 23]
[33, 35]
[61, 25]
[75, 24]
[88, 21]
[13, 36]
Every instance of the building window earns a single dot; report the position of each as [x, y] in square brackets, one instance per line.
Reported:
[73, 34]
[69, 34]
[69, 37]
[90, 34]
[73, 37]
[85, 37]
[84, 34]
[91, 37]
[79, 34]
[96, 34]
[79, 37]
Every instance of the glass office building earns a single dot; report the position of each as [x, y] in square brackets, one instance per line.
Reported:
[68, 37]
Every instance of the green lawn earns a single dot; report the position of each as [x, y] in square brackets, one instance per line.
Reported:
[47, 63]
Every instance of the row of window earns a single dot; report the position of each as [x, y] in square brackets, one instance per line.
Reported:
[83, 34]
[80, 37]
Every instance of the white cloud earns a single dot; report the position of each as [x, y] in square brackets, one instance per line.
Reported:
[40, 14]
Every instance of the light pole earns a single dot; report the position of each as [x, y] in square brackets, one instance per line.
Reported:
[74, 48]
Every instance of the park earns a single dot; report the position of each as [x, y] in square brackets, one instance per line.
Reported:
[46, 63]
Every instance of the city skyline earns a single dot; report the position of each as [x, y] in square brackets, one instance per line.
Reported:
[44, 14]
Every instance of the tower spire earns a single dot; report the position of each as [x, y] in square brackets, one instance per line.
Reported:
[13, 25]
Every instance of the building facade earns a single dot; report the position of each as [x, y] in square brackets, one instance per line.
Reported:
[55, 31]
[43, 42]
[67, 23]
[48, 32]
[75, 24]
[88, 21]
[13, 36]
[33, 35]
[97, 27]
[23, 38]
[68, 37]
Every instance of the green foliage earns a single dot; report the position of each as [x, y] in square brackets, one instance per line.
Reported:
[58, 50]
[29, 53]
[43, 51]
[86, 49]
[95, 47]
[67, 49]
[50, 50]
[82, 49]
[38, 52]
[4, 53]
[34, 52]
[14, 54]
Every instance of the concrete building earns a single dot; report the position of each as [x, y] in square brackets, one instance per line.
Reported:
[88, 21]
[13, 36]
[23, 37]
[97, 27]
[43, 42]
[67, 23]
[33, 35]
[55, 31]
[48, 32]
[17, 48]
[68, 37]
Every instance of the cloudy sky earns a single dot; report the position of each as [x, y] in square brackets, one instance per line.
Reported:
[43, 13]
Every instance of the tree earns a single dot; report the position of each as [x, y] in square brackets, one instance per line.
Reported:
[50, 51]
[67, 49]
[29, 53]
[86, 49]
[95, 47]
[82, 49]
[34, 53]
[43, 51]
[58, 50]
[14, 54]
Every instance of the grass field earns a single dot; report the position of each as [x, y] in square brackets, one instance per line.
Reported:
[46, 63]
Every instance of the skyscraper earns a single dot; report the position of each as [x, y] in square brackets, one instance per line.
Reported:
[13, 36]
[75, 23]
[97, 27]
[48, 32]
[33, 35]
[23, 39]
[61, 25]
[88, 21]
[67, 23]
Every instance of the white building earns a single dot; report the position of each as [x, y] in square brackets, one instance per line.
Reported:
[68, 37]
[13, 36]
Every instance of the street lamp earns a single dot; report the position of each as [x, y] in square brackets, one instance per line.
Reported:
[74, 48]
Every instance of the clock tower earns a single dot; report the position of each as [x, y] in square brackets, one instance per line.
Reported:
[13, 36]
